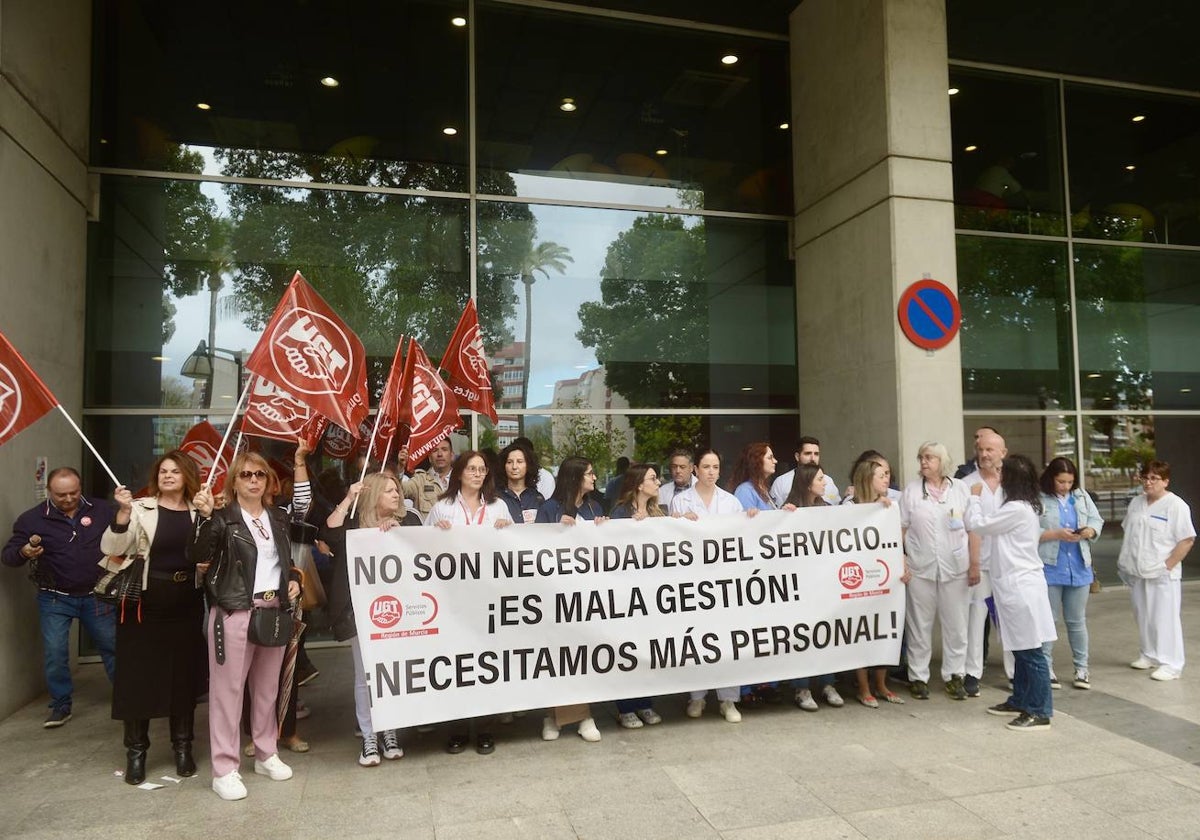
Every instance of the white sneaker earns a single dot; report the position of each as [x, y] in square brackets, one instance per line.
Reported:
[274, 768]
[650, 716]
[832, 697]
[1082, 680]
[630, 720]
[730, 711]
[391, 745]
[695, 708]
[805, 701]
[369, 757]
[549, 729]
[229, 787]
[588, 730]
[1143, 664]
[1163, 673]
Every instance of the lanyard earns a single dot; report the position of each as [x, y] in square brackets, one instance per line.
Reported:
[468, 514]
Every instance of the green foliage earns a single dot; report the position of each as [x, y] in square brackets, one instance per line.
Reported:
[657, 436]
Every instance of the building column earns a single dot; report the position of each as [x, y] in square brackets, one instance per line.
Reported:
[874, 213]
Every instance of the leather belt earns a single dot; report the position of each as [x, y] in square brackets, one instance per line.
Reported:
[173, 577]
[268, 595]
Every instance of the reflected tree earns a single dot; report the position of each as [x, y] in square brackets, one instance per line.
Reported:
[539, 259]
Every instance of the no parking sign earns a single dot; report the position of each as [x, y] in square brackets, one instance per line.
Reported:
[929, 314]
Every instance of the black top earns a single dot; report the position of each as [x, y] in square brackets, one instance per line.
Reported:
[168, 552]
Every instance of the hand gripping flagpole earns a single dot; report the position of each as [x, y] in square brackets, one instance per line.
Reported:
[228, 431]
[375, 431]
[84, 438]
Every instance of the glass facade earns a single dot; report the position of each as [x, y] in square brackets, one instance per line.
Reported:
[1080, 293]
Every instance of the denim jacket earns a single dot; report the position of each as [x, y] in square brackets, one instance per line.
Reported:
[1085, 513]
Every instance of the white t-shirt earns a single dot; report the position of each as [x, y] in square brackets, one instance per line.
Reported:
[781, 488]
[1151, 533]
[268, 568]
[689, 501]
[457, 513]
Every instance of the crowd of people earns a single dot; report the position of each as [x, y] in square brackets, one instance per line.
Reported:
[1001, 547]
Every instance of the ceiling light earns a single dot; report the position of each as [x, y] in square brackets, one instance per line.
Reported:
[784, 126]
[970, 148]
[1185, 390]
[568, 105]
[1139, 118]
[952, 91]
[330, 82]
[1130, 168]
[203, 106]
[660, 152]
[1093, 376]
[747, 388]
[729, 59]
[449, 131]
[103, 141]
[458, 21]
[160, 358]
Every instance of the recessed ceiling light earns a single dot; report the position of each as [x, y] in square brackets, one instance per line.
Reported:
[784, 126]
[103, 141]
[1139, 118]
[952, 91]
[1130, 168]
[660, 152]
[458, 21]
[970, 148]
[747, 388]
[729, 59]
[330, 82]
[1093, 376]
[449, 131]
[203, 106]
[160, 358]
[1185, 390]
[568, 105]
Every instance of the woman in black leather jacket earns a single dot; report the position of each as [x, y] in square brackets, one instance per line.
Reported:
[249, 565]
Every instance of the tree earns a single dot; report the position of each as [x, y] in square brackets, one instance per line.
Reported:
[540, 259]
[656, 436]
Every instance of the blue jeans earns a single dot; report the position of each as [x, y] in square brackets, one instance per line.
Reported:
[1031, 683]
[56, 613]
[1069, 604]
[636, 705]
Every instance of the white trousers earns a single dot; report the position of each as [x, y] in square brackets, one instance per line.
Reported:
[1156, 605]
[945, 600]
[362, 693]
[977, 619]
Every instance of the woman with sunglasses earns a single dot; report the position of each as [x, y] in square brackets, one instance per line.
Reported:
[249, 564]
[469, 501]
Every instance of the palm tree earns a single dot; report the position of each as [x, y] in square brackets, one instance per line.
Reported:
[540, 259]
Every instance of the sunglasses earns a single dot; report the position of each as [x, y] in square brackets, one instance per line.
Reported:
[249, 474]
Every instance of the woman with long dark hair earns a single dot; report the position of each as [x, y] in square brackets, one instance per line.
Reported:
[1019, 589]
[518, 483]
[750, 481]
[1070, 524]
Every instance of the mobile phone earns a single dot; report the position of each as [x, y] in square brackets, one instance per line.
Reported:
[1077, 531]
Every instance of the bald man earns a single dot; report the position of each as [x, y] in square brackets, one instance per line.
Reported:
[989, 455]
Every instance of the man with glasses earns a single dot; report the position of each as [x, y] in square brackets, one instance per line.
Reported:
[60, 539]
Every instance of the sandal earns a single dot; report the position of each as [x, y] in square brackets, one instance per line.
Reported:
[892, 697]
[296, 744]
[868, 701]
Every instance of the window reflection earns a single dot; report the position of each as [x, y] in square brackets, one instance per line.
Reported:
[1016, 331]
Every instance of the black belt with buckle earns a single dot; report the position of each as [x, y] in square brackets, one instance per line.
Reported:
[173, 577]
[268, 595]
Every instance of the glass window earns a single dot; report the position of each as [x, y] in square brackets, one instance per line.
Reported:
[602, 110]
[1038, 437]
[1133, 165]
[1016, 330]
[288, 90]
[1007, 153]
[179, 263]
[1138, 313]
[622, 309]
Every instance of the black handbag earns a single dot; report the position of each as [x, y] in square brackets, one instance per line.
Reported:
[123, 588]
[270, 627]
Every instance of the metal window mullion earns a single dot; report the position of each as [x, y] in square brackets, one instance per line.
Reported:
[472, 183]
[1073, 300]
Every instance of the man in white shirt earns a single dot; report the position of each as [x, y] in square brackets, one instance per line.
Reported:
[808, 451]
[989, 454]
[682, 477]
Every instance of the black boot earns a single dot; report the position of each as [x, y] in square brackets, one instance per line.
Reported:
[137, 741]
[181, 743]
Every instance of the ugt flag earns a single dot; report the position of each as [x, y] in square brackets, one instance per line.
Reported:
[388, 419]
[24, 398]
[466, 365]
[272, 412]
[201, 444]
[427, 405]
[308, 351]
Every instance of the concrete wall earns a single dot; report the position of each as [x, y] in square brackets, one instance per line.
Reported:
[874, 213]
[45, 67]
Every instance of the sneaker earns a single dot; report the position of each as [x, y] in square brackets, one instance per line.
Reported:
[1004, 709]
[274, 768]
[1028, 723]
[832, 697]
[57, 718]
[588, 730]
[955, 689]
[971, 685]
[919, 689]
[1163, 673]
[229, 787]
[1054, 683]
[1143, 664]
[391, 745]
[695, 708]
[805, 701]
[302, 711]
[729, 711]
[630, 720]
[306, 674]
[1081, 680]
[651, 717]
[549, 729]
[369, 757]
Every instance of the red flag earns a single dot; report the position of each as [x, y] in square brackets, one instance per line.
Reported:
[342, 445]
[272, 412]
[200, 443]
[427, 405]
[389, 404]
[24, 398]
[307, 350]
[466, 365]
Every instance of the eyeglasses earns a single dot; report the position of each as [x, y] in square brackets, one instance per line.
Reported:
[249, 474]
[1150, 478]
[473, 470]
[262, 532]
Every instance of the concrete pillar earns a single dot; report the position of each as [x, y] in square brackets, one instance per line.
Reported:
[874, 213]
[45, 67]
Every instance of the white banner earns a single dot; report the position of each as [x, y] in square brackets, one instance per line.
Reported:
[474, 620]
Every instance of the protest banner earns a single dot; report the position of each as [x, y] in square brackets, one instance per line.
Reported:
[475, 620]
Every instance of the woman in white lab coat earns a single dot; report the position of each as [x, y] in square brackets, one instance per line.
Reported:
[1019, 588]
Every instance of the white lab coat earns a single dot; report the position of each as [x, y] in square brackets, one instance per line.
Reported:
[1018, 581]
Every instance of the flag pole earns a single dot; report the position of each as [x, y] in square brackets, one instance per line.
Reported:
[84, 437]
[228, 430]
[375, 431]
